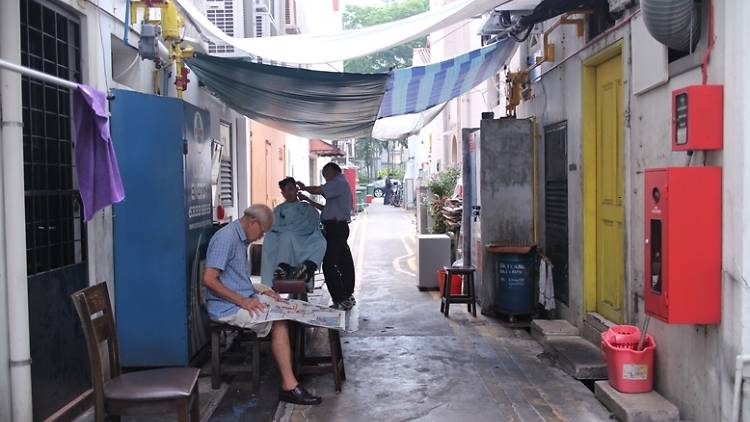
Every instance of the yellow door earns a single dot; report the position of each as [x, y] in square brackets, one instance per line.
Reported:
[610, 266]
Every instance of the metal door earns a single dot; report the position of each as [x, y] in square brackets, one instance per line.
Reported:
[556, 204]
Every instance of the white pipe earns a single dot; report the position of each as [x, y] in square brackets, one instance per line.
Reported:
[5, 408]
[737, 400]
[4, 64]
[14, 219]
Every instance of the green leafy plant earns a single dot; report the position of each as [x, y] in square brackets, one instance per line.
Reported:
[400, 56]
[441, 187]
[395, 172]
[444, 182]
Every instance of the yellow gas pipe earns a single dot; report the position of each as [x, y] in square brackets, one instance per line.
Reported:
[172, 25]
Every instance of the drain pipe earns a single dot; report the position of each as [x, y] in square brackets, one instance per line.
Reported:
[14, 222]
[674, 23]
[467, 173]
[737, 400]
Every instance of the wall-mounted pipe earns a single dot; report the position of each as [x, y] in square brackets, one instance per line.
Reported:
[737, 399]
[14, 217]
[674, 23]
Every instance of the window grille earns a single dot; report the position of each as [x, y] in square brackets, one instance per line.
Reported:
[55, 232]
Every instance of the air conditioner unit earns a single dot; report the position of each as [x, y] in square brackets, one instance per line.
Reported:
[261, 6]
[215, 5]
[290, 17]
[262, 25]
[227, 16]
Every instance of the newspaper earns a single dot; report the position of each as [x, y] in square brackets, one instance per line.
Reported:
[300, 311]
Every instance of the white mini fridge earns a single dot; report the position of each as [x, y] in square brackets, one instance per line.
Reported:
[433, 253]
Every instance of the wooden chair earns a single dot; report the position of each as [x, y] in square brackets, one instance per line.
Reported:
[218, 329]
[143, 392]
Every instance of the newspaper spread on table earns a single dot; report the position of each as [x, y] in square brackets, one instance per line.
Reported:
[300, 311]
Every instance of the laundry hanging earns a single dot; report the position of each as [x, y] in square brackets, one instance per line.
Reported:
[98, 174]
[416, 89]
[301, 102]
[344, 45]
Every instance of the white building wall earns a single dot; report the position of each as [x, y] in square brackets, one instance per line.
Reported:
[694, 365]
[298, 158]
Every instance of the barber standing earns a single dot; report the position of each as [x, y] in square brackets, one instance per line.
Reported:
[338, 265]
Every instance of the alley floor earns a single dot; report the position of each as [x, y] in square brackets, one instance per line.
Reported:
[407, 362]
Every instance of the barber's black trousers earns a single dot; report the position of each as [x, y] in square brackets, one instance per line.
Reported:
[338, 265]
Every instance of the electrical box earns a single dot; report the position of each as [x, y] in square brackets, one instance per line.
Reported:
[698, 118]
[433, 253]
[682, 244]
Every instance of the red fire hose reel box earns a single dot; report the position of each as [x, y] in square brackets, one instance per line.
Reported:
[682, 244]
[698, 118]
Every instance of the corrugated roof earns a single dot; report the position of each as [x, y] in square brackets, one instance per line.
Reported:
[324, 149]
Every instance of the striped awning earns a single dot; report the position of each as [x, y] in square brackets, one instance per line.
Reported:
[328, 105]
[416, 89]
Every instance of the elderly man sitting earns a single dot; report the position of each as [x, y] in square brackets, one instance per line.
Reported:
[232, 298]
[295, 246]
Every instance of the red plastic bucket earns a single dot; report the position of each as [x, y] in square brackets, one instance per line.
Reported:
[368, 199]
[630, 371]
[456, 282]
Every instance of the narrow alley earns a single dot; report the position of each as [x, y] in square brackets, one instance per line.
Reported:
[408, 362]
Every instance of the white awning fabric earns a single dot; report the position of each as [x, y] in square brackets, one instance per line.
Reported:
[344, 45]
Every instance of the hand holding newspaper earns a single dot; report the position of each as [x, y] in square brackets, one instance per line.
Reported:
[300, 311]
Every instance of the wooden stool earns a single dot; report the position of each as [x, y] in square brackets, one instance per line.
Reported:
[468, 296]
[309, 365]
[244, 334]
[313, 365]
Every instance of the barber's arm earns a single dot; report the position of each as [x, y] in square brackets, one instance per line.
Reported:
[212, 282]
[309, 200]
[315, 190]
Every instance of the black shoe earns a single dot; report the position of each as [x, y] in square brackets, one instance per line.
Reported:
[337, 306]
[299, 395]
[346, 304]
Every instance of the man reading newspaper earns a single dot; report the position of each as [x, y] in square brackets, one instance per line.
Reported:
[232, 298]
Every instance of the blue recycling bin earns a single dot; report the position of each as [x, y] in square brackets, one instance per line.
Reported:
[514, 275]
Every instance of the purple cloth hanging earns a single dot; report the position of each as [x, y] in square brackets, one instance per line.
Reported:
[98, 175]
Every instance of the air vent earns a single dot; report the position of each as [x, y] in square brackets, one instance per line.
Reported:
[226, 194]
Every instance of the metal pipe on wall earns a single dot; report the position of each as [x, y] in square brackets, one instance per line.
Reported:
[5, 408]
[468, 194]
[14, 221]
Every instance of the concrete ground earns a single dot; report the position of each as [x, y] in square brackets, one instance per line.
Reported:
[407, 362]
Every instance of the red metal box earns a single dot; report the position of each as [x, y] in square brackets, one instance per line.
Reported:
[698, 118]
[682, 244]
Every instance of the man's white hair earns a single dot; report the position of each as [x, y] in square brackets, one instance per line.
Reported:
[260, 212]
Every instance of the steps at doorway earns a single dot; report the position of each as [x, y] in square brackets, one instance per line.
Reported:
[543, 329]
[644, 407]
[577, 357]
[593, 326]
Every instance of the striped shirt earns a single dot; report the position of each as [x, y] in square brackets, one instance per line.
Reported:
[227, 252]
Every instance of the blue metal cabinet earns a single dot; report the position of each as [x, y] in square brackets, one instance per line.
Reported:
[161, 229]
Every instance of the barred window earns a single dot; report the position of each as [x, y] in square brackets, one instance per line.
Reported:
[55, 232]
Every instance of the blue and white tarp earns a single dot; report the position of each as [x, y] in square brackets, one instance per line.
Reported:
[416, 89]
[332, 105]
